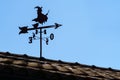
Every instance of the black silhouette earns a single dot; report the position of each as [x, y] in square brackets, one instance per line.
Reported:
[51, 36]
[35, 25]
[45, 32]
[34, 36]
[23, 29]
[30, 39]
[47, 40]
[41, 18]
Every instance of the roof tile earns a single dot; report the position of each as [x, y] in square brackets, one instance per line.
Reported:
[47, 66]
[33, 64]
[20, 62]
[6, 60]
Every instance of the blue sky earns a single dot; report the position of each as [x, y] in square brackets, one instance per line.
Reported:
[90, 33]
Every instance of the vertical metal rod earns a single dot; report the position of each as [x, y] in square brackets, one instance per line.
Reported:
[40, 43]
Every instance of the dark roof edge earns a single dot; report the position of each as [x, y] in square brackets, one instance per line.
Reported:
[58, 61]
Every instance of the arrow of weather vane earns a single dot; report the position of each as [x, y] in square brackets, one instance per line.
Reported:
[41, 18]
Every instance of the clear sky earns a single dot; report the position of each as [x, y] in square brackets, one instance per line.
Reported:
[90, 33]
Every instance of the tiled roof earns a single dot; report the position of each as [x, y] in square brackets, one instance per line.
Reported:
[35, 68]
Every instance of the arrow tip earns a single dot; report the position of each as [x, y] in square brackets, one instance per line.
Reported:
[57, 25]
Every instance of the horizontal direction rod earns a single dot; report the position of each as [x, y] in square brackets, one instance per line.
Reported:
[43, 27]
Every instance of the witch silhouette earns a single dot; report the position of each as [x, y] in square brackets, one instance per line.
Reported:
[41, 18]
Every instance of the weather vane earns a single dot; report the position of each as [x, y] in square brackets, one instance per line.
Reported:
[41, 19]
